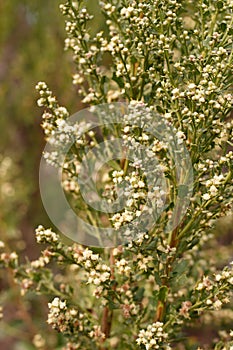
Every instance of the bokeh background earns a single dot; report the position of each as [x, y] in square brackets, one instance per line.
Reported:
[31, 50]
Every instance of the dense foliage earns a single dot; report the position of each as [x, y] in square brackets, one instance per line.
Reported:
[168, 61]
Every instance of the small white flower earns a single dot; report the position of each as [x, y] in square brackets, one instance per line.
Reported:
[213, 190]
[192, 86]
[206, 196]
[180, 136]
[217, 304]
[127, 11]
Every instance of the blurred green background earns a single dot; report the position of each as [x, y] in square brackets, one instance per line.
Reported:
[31, 44]
[31, 50]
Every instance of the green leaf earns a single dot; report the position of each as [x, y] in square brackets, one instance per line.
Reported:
[139, 294]
[182, 191]
[160, 109]
[152, 245]
[103, 79]
[163, 293]
[112, 305]
[118, 80]
[179, 274]
[180, 268]
[219, 4]
[114, 165]
[157, 278]
[223, 26]
[133, 59]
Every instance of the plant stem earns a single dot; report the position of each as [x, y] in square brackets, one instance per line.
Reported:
[106, 322]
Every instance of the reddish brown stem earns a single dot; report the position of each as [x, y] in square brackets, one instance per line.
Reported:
[107, 316]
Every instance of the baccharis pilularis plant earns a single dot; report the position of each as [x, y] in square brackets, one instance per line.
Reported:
[172, 58]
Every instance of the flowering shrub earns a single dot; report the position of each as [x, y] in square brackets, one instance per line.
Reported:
[171, 63]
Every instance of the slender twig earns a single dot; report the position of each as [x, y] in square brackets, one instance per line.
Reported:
[106, 322]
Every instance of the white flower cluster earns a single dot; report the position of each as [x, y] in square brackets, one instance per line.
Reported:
[153, 337]
[43, 260]
[25, 285]
[206, 283]
[46, 235]
[87, 56]
[64, 133]
[180, 137]
[212, 185]
[128, 305]
[143, 262]
[139, 184]
[55, 307]
[60, 317]
[226, 275]
[215, 287]
[122, 267]
[46, 98]
[53, 158]
[52, 119]
[88, 51]
[200, 93]
[206, 164]
[97, 272]
[9, 259]
[184, 310]
[96, 333]
[99, 275]
[71, 185]
[129, 308]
